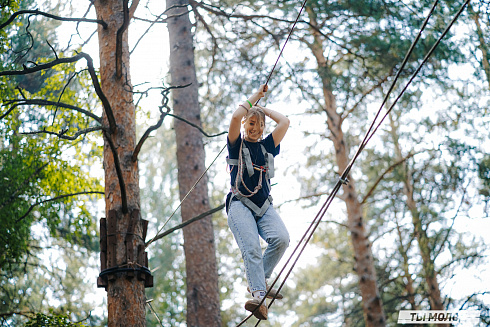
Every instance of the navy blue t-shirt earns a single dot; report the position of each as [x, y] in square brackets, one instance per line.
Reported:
[258, 159]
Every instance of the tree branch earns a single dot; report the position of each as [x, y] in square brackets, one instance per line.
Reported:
[137, 150]
[165, 101]
[62, 135]
[37, 12]
[187, 222]
[388, 170]
[146, 32]
[213, 38]
[119, 40]
[346, 112]
[40, 102]
[194, 125]
[133, 7]
[93, 75]
[117, 164]
[54, 199]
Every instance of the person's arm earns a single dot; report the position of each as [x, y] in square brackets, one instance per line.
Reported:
[282, 124]
[241, 111]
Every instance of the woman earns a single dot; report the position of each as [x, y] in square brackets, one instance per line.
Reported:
[249, 207]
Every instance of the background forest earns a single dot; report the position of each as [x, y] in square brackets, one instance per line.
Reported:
[408, 232]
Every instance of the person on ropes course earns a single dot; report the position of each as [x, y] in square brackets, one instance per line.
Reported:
[249, 204]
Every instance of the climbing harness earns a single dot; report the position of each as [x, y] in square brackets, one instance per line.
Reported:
[244, 163]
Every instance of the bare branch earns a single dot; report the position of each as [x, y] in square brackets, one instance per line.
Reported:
[137, 150]
[93, 75]
[62, 133]
[40, 102]
[388, 170]
[213, 38]
[146, 32]
[117, 164]
[119, 40]
[165, 101]
[64, 19]
[194, 125]
[220, 12]
[187, 222]
[63, 92]
[54, 199]
[133, 7]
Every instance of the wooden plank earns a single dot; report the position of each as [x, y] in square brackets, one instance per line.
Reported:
[145, 228]
[111, 239]
[141, 255]
[103, 244]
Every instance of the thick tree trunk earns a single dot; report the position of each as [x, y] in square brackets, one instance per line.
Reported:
[203, 307]
[125, 295]
[364, 266]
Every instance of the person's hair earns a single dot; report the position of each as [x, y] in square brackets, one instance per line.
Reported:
[254, 112]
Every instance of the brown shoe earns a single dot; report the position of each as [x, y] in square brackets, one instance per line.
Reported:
[273, 294]
[261, 312]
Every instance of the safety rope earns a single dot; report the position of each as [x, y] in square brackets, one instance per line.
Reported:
[185, 197]
[343, 178]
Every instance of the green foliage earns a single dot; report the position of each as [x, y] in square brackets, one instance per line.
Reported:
[42, 320]
[47, 184]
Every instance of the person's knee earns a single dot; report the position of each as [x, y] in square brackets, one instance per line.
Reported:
[281, 240]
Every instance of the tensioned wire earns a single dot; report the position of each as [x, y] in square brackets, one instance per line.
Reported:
[214, 160]
[371, 131]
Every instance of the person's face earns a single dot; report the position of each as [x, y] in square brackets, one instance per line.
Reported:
[254, 127]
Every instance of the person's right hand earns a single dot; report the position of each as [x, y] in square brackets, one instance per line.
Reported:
[262, 89]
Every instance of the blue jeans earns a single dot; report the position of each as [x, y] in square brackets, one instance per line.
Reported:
[247, 230]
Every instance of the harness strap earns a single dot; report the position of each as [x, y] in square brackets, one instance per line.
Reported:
[259, 211]
[248, 161]
[269, 161]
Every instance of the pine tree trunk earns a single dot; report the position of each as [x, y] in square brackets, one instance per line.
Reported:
[483, 45]
[125, 294]
[364, 266]
[430, 273]
[405, 267]
[203, 307]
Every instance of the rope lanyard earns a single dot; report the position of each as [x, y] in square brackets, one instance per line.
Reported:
[239, 176]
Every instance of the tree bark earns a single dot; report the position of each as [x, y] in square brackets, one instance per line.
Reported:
[203, 307]
[428, 265]
[483, 45]
[125, 295]
[364, 266]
